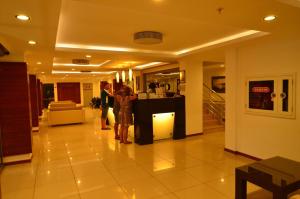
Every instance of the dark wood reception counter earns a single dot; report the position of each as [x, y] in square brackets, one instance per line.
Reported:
[158, 113]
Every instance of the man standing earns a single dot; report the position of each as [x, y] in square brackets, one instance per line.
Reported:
[104, 104]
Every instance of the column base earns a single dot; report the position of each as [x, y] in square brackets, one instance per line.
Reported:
[15, 159]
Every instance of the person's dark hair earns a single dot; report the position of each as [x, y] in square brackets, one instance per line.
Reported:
[126, 91]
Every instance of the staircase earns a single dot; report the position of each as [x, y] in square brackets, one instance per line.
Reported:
[213, 111]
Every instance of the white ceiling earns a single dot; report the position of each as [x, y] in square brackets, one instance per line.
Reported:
[184, 24]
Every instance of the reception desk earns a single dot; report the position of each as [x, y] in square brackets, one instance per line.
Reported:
[155, 118]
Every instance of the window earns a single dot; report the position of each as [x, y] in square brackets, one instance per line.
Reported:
[272, 96]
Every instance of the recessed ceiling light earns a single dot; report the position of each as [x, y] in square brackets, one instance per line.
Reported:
[222, 65]
[39, 63]
[88, 56]
[31, 42]
[270, 18]
[73, 69]
[43, 72]
[22, 17]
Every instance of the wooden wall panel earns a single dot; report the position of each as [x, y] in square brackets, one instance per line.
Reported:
[15, 109]
[34, 100]
[69, 91]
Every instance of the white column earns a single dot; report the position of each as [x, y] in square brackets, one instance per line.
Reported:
[231, 100]
[193, 95]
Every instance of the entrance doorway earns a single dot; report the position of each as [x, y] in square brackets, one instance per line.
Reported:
[48, 94]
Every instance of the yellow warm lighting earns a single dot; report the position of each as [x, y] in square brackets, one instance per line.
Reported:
[117, 77]
[78, 72]
[163, 125]
[23, 17]
[162, 165]
[167, 53]
[31, 42]
[123, 76]
[38, 63]
[88, 56]
[130, 74]
[218, 41]
[151, 64]
[270, 18]
[108, 48]
[82, 65]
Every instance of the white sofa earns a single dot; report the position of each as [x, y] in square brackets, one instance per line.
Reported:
[65, 112]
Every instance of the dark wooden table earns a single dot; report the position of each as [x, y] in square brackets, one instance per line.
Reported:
[278, 175]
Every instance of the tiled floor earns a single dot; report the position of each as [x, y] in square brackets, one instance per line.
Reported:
[81, 161]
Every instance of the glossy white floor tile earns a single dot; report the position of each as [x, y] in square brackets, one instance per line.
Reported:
[83, 162]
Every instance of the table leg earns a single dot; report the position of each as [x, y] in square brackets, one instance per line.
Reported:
[240, 187]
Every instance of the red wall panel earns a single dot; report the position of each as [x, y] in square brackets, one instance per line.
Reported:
[69, 91]
[15, 109]
[34, 100]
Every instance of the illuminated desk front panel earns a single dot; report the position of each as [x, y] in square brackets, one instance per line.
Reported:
[158, 119]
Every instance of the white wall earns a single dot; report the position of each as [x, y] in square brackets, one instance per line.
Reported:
[255, 135]
[193, 94]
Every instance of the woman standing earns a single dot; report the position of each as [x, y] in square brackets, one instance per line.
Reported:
[125, 113]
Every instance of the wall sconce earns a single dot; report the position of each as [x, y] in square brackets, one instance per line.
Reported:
[182, 76]
[130, 74]
[117, 77]
[123, 76]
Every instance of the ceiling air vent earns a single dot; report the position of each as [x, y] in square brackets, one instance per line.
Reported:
[86, 71]
[81, 61]
[3, 50]
[148, 37]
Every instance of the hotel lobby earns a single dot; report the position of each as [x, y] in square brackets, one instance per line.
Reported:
[217, 86]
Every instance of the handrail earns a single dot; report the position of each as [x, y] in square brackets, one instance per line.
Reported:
[214, 92]
[214, 103]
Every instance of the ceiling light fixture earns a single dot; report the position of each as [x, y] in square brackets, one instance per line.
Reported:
[109, 48]
[82, 65]
[219, 41]
[117, 77]
[151, 64]
[123, 76]
[23, 17]
[31, 42]
[39, 63]
[130, 74]
[88, 56]
[270, 18]
[148, 37]
[43, 72]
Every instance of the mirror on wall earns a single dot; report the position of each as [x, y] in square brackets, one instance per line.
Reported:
[166, 81]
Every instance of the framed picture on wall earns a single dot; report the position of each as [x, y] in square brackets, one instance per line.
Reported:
[218, 84]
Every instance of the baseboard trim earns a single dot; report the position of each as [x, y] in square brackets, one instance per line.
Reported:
[35, 129]
[195, 134]
[242, 154]
[17, 159]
